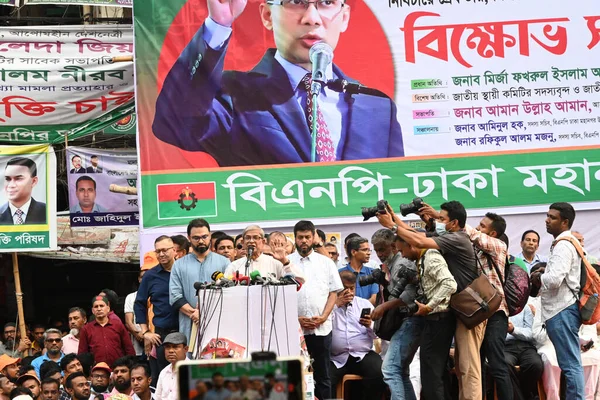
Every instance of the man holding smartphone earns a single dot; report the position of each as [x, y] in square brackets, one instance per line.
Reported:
[353, 340]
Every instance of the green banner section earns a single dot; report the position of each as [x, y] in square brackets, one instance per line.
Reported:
[52, 134]
[19, 240]
[125, 126]
[325, 191]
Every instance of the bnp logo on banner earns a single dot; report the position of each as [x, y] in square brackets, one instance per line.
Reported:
[187, 200]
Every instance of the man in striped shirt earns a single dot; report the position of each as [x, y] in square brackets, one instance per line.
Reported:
[491, 254]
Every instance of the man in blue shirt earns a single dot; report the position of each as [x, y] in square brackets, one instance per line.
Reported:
[53, 344]
[155, 286]
[197, 266]
[359, 253]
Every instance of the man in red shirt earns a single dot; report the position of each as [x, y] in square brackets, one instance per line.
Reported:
[107, 340]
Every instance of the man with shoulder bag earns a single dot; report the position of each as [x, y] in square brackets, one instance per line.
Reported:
[438, 322]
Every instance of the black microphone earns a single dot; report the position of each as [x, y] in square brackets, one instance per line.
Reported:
[200, 285]
[321, 56]
[343, 86]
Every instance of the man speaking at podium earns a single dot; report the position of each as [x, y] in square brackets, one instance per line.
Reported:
[260, 117]
[276, 266]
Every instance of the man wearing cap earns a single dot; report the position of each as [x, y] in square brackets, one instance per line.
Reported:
[276, 265]
[31, 382]
[155, 286]
[77, 319]
[101, 378]
[175, 350]
[101, 337]
[53, 345]
[9, 367]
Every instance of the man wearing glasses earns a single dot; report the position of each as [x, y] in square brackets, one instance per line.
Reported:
[53, 345]
[260, 117]
[275, 264]
[197, 266]
[155, 286]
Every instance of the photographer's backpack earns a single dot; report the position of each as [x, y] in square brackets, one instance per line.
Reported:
[515, 284]
[589, 286]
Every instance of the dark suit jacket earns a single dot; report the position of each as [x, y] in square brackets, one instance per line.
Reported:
[35, 215]
[77, 171]
[249, 118]
[90, 170]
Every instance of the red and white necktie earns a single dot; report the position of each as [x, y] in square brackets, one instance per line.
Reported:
[325, 149]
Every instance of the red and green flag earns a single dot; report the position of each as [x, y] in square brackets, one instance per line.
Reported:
[187, 200]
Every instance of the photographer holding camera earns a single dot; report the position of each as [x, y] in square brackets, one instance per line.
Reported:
[397, 276]
[456, 248]
[437, 321]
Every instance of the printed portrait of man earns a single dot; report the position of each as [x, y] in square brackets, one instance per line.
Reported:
[77, 168]
[85, 188]
[261, 116]
[20, 177]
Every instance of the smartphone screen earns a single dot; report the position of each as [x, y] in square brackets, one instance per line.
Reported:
[272, 380]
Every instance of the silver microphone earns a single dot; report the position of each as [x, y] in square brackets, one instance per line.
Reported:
[321, 56]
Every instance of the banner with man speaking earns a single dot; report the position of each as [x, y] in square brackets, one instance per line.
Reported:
[493, 103]
[28, 201]
[102, 187]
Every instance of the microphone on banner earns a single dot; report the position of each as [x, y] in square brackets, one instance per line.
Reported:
[321, 56]
[290, 279]
[240, 279]
[256, 279]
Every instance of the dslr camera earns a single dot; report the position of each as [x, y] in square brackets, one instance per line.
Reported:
[370, 212]
[377, 276]
[412, 207]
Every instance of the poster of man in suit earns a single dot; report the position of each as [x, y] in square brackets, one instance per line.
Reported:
[28, 198]
[20, 181]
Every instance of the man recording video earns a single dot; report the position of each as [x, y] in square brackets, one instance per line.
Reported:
[261, 116]
[454, 244]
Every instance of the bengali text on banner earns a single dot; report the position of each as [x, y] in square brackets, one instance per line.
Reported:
[28, 200]
[495, 104]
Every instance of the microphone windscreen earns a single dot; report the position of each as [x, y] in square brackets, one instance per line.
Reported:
[216, 275]
[198, 285]
[254, 274]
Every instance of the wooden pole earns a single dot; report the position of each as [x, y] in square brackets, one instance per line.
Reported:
[19, 295]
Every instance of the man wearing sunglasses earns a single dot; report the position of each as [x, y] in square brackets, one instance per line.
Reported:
[261, 116]
[53, 346]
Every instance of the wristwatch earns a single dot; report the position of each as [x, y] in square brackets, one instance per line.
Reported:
[394, 228]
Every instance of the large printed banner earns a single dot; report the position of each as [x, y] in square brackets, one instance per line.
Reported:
[28, 200]
[102, 187]
[63, 81]
[494, 103]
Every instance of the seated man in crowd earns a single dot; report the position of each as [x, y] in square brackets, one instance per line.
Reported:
[352, 342]
[520, 350]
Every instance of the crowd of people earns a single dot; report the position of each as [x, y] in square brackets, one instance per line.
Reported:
[390, 323]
